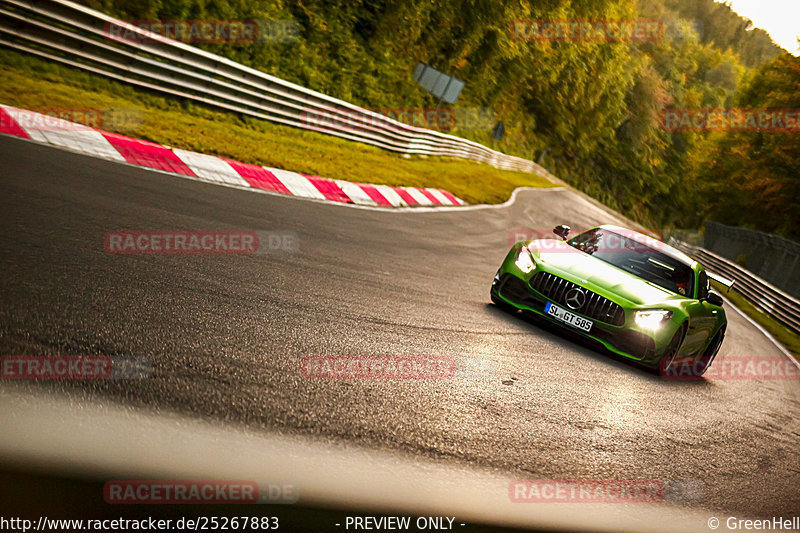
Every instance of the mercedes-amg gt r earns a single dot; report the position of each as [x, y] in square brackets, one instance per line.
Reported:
[635, 295]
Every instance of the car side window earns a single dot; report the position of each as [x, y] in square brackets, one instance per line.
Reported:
[702, 285]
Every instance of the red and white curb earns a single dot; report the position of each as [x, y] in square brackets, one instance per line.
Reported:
[213, 169]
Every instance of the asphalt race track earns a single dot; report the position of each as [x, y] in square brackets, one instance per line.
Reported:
[226, 334]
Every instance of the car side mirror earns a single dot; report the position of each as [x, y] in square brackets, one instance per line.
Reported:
[714, 299]
[562, 231]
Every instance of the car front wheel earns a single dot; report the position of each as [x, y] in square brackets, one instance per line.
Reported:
[668, 362]
[704, 361]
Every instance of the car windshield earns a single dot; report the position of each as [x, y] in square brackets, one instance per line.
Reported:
[636, 258]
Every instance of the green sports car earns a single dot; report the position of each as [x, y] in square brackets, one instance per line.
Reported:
[635, 295]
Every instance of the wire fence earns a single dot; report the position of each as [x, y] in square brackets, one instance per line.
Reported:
[766, 255]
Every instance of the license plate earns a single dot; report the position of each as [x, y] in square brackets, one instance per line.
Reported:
[567, 317]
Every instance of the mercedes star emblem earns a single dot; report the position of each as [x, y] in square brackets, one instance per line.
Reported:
[575, 299]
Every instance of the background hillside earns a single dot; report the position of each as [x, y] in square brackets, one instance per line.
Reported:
[591, 112]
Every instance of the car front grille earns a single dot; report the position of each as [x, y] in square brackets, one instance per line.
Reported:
[594, 306]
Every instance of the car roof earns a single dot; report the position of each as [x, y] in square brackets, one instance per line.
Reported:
[646, 240]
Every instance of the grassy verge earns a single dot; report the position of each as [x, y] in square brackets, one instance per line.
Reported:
[34, 84]
[789, 339]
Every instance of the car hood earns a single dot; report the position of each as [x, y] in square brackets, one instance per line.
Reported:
[585, 270]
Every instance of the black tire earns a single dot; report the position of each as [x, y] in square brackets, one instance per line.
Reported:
[704, 361]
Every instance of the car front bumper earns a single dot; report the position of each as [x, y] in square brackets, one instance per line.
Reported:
[624, 340]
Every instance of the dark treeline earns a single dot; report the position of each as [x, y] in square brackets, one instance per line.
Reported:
[591, 112]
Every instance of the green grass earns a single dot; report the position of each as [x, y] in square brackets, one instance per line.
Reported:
[789, 339]
[35, 84]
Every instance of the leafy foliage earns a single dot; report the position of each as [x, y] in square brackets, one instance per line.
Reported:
[753, 178]
[589, 111]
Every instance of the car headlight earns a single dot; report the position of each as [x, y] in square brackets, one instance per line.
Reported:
[652, 318]
[524, 260]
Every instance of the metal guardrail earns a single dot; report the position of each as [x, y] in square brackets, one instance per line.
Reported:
[74, 35]
[765, 297]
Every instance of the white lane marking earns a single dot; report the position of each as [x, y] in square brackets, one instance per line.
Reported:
[298, 185]
[766, 333]
[210, 168]
[355, 193]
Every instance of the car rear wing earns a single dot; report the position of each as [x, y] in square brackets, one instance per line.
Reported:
[728, 283]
